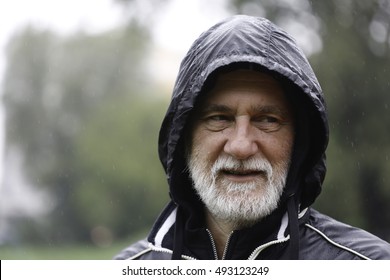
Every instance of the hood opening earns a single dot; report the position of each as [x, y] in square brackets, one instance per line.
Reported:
[307, 149]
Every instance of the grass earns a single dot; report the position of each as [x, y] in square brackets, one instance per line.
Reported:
[63, 252]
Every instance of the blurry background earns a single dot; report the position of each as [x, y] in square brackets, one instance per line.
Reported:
[84, 87]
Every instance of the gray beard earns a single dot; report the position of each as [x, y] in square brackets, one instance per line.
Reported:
[240, 204]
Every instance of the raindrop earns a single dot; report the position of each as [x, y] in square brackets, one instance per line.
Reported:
[378, 31]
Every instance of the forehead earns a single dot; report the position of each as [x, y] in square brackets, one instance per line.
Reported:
[246, 85]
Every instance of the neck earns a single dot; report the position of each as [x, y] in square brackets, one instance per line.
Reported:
[221, 231]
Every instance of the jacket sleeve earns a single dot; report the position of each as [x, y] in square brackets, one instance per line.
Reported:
[142, 250]
[133, 251]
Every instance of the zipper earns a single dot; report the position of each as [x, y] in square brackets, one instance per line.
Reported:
[227, 245]
[168, 251]
[254, 254]
[213, 244]
[259, 249]
[215, 247]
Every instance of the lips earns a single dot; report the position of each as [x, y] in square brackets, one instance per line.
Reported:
[242, 176]
[242, 172]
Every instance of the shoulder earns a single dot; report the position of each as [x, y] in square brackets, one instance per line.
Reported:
[131, 252]
[142, 250]
[327, 238]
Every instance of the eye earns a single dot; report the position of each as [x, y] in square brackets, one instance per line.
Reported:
[265, 119]
[268, 123]
[217, 122]
[269, 119]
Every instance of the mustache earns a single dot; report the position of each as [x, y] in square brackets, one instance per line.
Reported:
[226, 163]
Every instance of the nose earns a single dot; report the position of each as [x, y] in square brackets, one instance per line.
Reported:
[241, 142]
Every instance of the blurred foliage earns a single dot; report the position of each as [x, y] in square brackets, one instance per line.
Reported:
[117, 157]
[353, 68]
[85, 117]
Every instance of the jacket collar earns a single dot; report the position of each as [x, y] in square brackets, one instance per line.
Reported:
[251, 243]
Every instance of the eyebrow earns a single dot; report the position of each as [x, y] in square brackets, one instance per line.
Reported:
[216, 108]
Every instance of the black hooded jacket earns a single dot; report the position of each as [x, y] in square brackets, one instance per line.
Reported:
[294, 230]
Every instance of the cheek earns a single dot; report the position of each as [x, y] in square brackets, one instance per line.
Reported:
[206, 145]
[281, 148]
[276, 147]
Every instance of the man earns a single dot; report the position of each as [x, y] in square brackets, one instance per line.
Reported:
[243, 146]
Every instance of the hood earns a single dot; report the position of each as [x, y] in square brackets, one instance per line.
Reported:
[236, 42]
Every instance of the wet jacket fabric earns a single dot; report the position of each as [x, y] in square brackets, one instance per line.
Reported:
[294, 230]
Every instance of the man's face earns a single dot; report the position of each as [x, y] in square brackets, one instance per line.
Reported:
[241, 145]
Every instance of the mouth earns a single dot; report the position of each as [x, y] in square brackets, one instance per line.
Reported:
[243, 175]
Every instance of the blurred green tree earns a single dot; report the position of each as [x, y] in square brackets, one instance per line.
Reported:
[67, 100]
[121, 184]
[356, 38]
